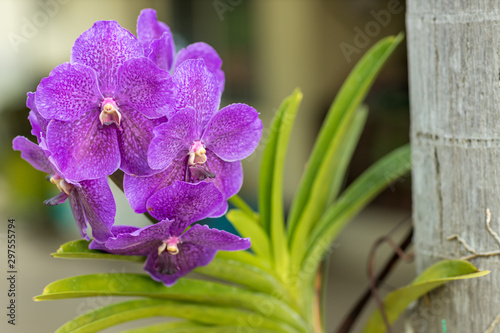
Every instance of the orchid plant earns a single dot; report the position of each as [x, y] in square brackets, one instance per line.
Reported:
[131, 109]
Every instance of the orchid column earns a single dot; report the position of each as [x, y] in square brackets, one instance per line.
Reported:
[454, 61]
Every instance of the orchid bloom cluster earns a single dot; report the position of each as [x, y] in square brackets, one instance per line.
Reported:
[132, 104]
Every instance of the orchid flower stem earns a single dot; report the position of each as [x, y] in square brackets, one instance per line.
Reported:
[238, 202]
[117, 178]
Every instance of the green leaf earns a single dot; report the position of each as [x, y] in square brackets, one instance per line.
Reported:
[79, 249]
[271, 180]
[246, 258]
[170, 327]
[137, 309]
[238, 202]
[331, 172]
[196, 328]
[317, 179]
[124, 284]
[436, 275]
[249, 276]
[353, 199]
[247, 227]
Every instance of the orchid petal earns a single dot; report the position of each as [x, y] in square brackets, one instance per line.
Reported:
[104, 48]
[234, 132]
[33, 154]
[84, 149]
[198, 88]
[215, 239]
[208, 54]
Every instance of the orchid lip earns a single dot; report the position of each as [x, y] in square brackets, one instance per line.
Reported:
[170, 245]
[197, 154]
[61, 184]
[109, 112]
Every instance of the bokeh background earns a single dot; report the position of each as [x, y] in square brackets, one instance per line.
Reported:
[268, 48]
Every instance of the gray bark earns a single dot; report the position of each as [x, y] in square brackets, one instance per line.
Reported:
[454, 67]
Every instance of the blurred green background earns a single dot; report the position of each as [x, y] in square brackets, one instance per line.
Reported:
[268, 48]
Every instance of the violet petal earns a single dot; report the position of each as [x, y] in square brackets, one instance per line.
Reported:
[185, 203]
[69, 94]
[198, 88]
[84, 149]
[172, 139]
[144, 87]
[33, 154]
[208, 54]
[215, 239]
[134, 139]
[104, 48]
[234, 132]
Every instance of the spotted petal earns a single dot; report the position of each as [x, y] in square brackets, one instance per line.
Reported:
[168, 268]
[68, 94]
[198, 88]
[145, 88]
[83, 149]
[142, 241]
[98, 205]
[134, 138]
[33, 154]
[184, 203]
[104, 48]
[215, 239]
[234, 132]
[139, 189]
[172, 139]
[208, 54]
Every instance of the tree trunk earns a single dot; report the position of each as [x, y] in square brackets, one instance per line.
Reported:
[454, 67]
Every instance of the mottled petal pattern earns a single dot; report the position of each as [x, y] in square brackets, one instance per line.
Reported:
[104, 48]
[169, 268]
[173, 139]
[99, 206]
[215, 239]
[234, 132]
[33, 154]
[133, 139]
[82, 149]
[228, 175]
[198, 88]
[139, 189]
[185, 203]
[144, 87]
[142, 241]
[162, 51]
[208, 54]
[69, 94]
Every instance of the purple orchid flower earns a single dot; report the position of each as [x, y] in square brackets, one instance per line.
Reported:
[171, 252]
[198, 143]
[158, 43]
[91, 200]
[104, 105]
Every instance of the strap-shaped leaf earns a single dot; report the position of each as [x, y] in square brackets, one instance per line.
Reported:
[247, 227]
[353, 199]
[79, 249]
[317, 176]
[271, 180]
[171, 328]
[239, 203]
[137, 309]
[249, 276]
[331, 172]
[434, 276]
[126, 284]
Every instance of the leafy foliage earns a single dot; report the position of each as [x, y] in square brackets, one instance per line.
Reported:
[269, 289]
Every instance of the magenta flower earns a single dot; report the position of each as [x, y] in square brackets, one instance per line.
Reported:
[198, 143]
[171, 252]
[91, 200]
[104, 105]
[158, 43]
